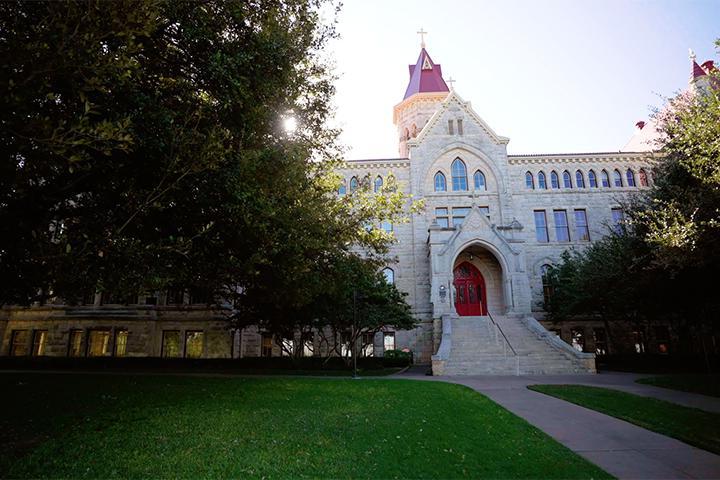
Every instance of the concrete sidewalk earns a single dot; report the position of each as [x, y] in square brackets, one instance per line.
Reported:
[620, 448]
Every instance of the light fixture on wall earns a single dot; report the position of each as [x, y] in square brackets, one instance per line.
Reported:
[443, 293]
[470, 256]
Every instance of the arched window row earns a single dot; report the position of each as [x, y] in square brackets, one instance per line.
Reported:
[595, 179]
[355, 182]
[459, 178]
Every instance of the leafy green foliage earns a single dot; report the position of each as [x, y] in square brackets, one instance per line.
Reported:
[690, 425]
[658, 265]
[144, 148]
[103, 426]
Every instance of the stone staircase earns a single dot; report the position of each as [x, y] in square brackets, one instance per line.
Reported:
[505, 345]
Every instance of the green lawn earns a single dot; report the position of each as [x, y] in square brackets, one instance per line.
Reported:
[90, 426]
[690, 425]
[699, 383]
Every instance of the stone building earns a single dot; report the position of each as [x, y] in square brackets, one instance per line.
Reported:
[472, 264]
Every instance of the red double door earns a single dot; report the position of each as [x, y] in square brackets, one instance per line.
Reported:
[470, 298]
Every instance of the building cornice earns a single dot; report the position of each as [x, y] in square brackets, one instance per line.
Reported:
[376, 163]
[590, 157]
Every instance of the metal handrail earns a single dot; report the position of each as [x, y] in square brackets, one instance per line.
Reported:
[502, 333]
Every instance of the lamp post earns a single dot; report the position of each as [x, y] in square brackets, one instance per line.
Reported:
[356, 296]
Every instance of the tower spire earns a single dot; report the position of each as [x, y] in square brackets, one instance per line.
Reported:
[422, 34]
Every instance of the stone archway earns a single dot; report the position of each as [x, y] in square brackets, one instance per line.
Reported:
[491, 271]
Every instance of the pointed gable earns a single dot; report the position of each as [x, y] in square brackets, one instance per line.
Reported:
[425, 76]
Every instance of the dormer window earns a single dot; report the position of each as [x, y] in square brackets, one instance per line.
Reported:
[426, 64]
[451, 127]
[460, 126]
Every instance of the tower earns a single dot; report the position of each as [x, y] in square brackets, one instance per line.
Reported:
[426, 89]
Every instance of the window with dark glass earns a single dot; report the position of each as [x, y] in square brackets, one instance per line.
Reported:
[600, 340]
[567, 180]
[308, 344]
[75, 343]
[617, 218]
[175, 296]
[529, 181]
[39, 342]
[541, 230]
[542, 184]
[562, 232]
[459, 214]
[546, 271]
[367, 347]
[459, 175]
[451, 129]
[171, 347]
[479, 179]
[617, 178]
[630, 177]
[582, 232]
[643, 178]
[592, 179]
[266, 345]
[121, 338]
[579, 179]
[440, 184]
[354, 184]
[605, 178]
[194, 343]
[441, 217]
[378, 184]
[578, 339]
[19, 343]
[662, 339]
[554, 180]
[639, 340]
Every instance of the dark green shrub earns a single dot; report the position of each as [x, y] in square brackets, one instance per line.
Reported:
[397, 358]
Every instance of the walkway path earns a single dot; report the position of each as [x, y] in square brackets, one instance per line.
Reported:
[620, 448]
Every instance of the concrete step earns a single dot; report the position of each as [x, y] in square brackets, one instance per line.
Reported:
[479, 347]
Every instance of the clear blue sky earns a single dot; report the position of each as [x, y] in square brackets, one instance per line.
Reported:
[554, 76]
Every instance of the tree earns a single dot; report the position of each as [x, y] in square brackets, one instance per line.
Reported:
[144, 149]
[659, 265]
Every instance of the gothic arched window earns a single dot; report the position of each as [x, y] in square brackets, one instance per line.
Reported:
[592, 179]
[542, 183]
[579, 179]
[479, 179]
[389, 275]
[605, 178]
[459, 175]
[343, 188]
[546, 272]
[353, 184]
[617, 177]
[554, 179]
[630, 176]
[440, 184]
[567, 179]
[643, 178]
[529, 181]
[378, 183]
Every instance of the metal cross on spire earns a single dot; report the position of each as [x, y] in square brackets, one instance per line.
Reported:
[422, 34]
[451, 81]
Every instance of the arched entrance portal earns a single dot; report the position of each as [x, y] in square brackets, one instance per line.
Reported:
[470, 294]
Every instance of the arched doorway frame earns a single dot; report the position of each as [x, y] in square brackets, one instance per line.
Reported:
[470, 291]
[505, 280]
